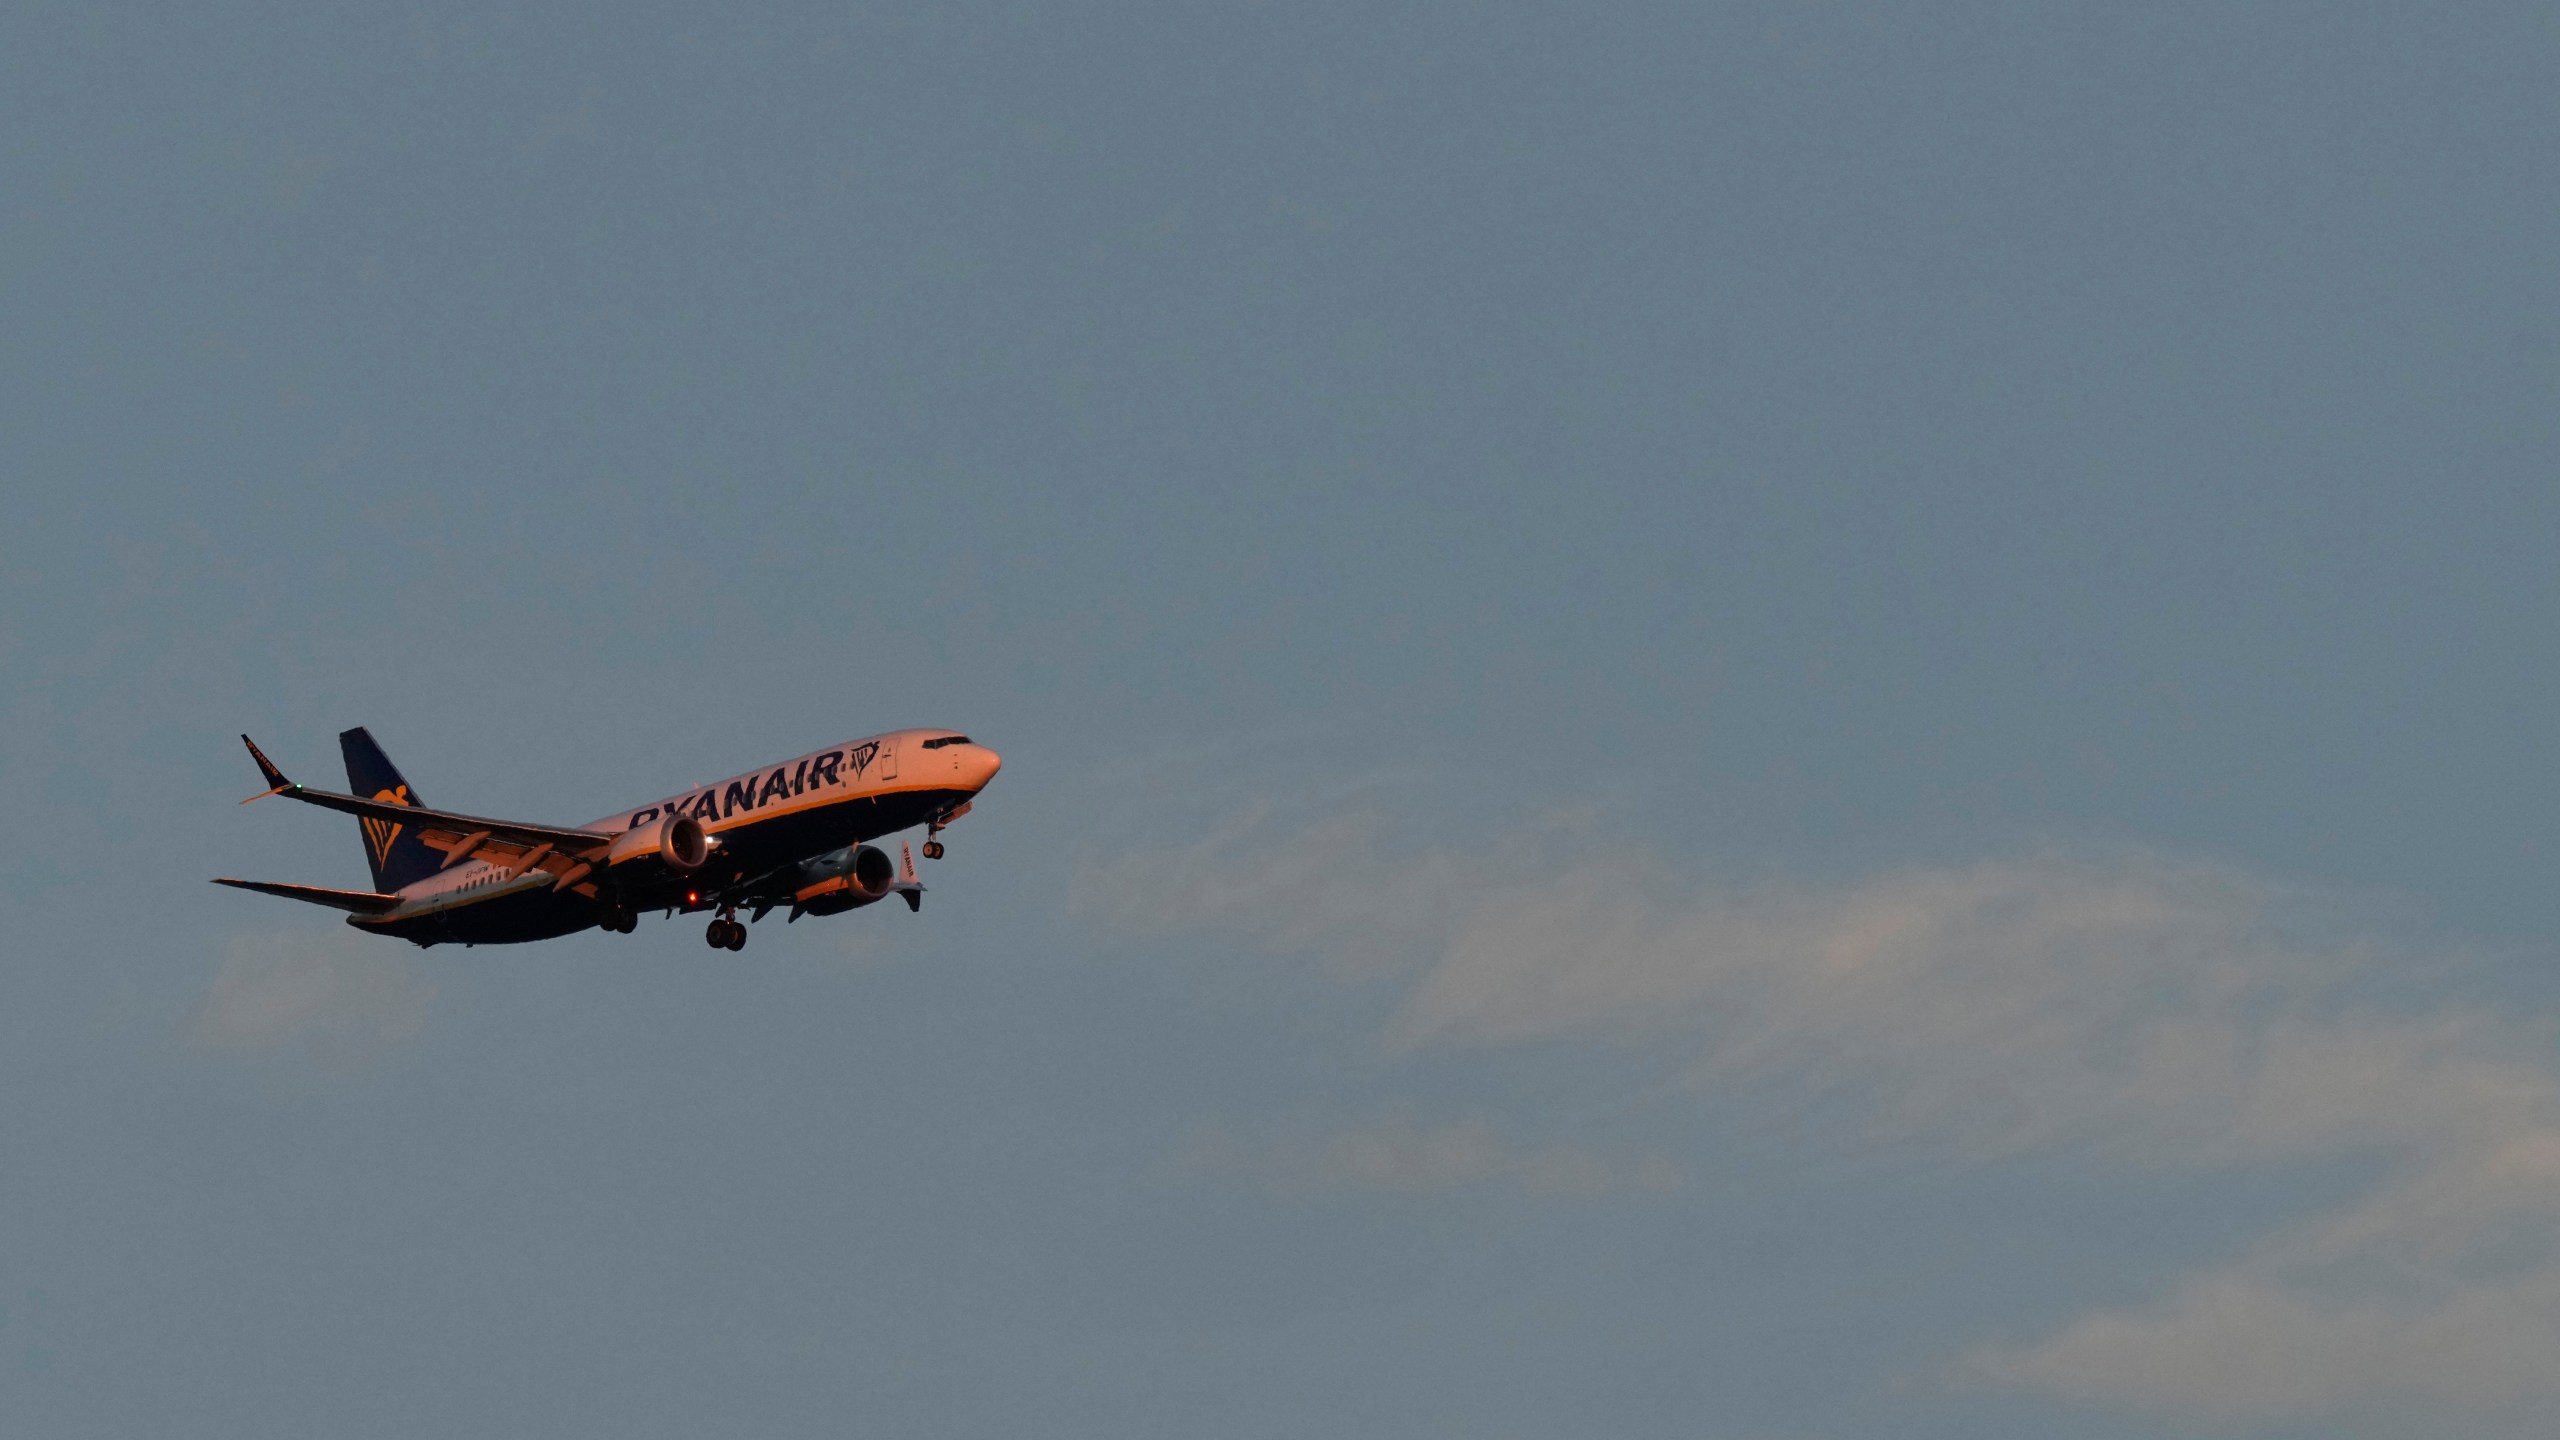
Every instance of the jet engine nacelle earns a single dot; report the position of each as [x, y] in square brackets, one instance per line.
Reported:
[674, 841]
[843, 879]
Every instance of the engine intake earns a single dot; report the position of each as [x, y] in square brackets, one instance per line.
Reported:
[677, 842]
[855, 875]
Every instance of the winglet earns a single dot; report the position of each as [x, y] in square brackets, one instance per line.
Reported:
[276, 782]
[907, 887]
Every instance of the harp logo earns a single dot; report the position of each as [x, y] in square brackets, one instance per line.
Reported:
[380, 833]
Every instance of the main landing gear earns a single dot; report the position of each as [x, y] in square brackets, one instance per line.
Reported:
[726, 933]
[617, 920]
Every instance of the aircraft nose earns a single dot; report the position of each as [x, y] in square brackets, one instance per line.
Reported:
[983, 765]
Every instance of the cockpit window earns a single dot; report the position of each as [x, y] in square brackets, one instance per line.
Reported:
[939, 741]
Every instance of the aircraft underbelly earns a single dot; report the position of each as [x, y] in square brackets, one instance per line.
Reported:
[500, 920]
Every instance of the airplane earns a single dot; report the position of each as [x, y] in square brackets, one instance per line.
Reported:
[791, 834]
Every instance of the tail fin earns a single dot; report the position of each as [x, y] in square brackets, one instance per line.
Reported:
[391, 849]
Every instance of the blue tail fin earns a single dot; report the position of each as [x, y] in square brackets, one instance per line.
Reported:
[393, 850]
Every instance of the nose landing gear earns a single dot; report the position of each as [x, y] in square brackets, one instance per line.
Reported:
[934, 828]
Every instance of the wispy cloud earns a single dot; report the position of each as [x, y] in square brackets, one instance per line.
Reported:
[2126, 1008]
[322, 996]
[1279, 880]
[1400, 1154]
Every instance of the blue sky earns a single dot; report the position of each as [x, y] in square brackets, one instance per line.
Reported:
[1771, 720]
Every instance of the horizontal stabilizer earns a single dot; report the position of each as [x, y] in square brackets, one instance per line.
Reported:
[361, 902]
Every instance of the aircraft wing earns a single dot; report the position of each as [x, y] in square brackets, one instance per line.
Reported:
[559, 850]
[362, 902]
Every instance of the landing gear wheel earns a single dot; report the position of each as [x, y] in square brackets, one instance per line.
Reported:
[933, 849]
[737, 936]
[724, 935]
[616, 921]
